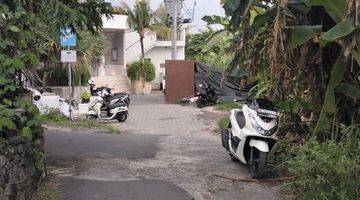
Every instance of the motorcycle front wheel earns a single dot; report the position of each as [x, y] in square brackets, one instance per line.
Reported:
[258, 163]
[121, 117]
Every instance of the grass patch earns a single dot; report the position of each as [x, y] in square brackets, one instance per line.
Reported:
[183, 102]
[54, 117]
[226, 105]
[223, 123]
[48, 190]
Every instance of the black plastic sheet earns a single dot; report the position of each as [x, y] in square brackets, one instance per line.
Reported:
[210, 76]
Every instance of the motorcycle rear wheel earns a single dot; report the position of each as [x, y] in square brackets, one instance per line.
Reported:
[258, 164]
[121, 117]
[200, 103]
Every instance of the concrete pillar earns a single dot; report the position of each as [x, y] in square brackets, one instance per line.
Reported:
[101, 71]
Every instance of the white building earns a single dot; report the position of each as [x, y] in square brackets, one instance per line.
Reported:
[125, 48]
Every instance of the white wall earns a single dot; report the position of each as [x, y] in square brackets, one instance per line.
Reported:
[133, 46]
[115, 23]
[157, 51]
[158, 55]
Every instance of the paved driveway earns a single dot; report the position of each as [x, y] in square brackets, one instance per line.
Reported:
[165, 152]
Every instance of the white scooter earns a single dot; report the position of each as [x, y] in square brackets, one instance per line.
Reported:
[117, 110]
[251, 134]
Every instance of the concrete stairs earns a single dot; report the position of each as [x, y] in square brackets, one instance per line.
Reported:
[117, 83]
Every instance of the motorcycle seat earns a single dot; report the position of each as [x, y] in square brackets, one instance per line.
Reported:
[112, 106]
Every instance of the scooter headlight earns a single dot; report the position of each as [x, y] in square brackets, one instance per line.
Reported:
[259, 129]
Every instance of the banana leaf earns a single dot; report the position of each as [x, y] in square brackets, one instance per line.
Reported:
[329, 107]
[215, 19]
[293, 105]
[261, 19]
[340, 30]
[335, 8]
[237, 9]
[301, 34]
[349, 90]
[356, 55]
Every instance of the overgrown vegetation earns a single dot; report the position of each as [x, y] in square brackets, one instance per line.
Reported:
[49, 190]
[90, 48]
[29, 36]
[209, 47]
[226, 105]
[54, 117]
[223, 123]
[305, 55]
[328, 170]
[134, 70]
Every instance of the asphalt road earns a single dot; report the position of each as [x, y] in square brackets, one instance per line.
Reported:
[84, 144]
[164, 152]
[72, 148]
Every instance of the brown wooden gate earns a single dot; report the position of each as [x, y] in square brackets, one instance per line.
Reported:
[179, 80]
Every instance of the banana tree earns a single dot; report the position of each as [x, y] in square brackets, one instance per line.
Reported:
[304, 36]
[240, 13]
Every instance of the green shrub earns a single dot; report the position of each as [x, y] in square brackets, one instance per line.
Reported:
[327, 170]
[134, 70]
[223, 123]
[226, 105]
[85, 96]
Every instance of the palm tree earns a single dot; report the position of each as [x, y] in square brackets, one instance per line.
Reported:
[141, 19]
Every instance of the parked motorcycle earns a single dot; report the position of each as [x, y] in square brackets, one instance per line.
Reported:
[105, 92]
[251, 134]
[205, 96]
[97, 110]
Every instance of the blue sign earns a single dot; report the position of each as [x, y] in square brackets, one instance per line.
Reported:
[67, 38]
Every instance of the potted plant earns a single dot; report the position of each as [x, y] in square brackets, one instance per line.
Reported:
[141, 84]
[85, 97]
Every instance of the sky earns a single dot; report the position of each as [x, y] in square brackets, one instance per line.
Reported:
[203, 7]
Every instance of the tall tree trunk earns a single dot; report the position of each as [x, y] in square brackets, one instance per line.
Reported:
[142, 48]
[142, 72]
